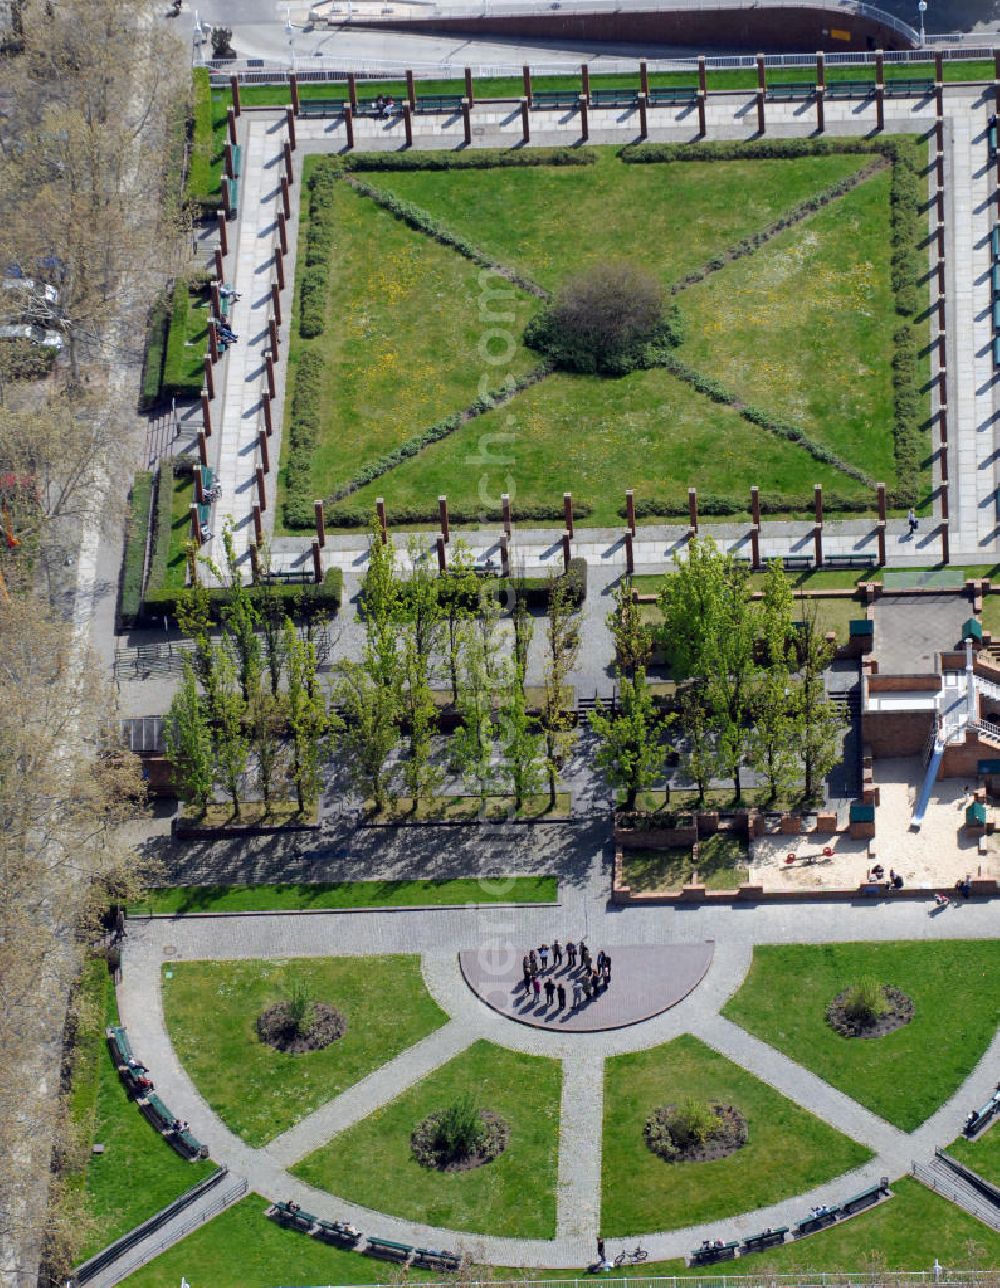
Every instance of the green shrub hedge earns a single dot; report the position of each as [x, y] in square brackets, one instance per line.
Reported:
[709, 504]
[204, 186]
[299, 601]
[181, 377]
[485, 159]
[303, 426]
[156, 344]
[532, 591]
[163, 525]
[140, 504]
[752, 150]
[343, 516]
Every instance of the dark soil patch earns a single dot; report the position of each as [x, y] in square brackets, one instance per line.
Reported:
[276, 1027]
[427, 1153]
[900, 1012]
[730, 1136]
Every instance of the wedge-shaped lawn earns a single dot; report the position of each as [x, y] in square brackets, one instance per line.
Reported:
[804, 327]
[405, 318]
[982, 1155]
[211, 1010]
[550, 222]
[596, 437]
[904, 1076]
[788, 1150]
[372, 1164]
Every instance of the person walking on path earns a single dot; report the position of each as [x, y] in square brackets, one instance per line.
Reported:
[533, 961]
[543, 954]
[561, 997]
[577, 994]
[586, 986]
[913, 522]
[550, 989]
[584, 955]
[557, 953]
[607, 968]
[571, 955]
[527, 976]
[536, 984]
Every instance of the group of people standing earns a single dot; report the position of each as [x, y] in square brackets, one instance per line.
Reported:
[586, 976]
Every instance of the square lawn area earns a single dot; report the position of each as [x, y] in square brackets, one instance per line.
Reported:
[211, 1010]
[371, 1163]
[906, 1075]
[788, 1150]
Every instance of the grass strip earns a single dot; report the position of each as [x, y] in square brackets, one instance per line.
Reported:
[325, 895]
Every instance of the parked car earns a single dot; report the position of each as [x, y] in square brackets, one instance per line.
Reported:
[24, 289]
[33, 333]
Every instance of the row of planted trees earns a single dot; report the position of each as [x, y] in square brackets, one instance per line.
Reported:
[751, 689]
[252, 712]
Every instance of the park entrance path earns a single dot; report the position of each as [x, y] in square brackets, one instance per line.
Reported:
[439, 936]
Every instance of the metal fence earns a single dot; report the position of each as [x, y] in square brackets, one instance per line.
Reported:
[941, 1277]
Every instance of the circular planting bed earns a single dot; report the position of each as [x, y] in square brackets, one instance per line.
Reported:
[851, 1022]
[676, 1135]
[432, 1149]
[278, 1027]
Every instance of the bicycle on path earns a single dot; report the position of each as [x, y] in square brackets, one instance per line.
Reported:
[633, 1258]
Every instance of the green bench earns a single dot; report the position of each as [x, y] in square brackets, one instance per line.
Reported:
[905, 87]
[669, 94]
[388, 1248]
[709, 1253]
[439, 103]
[978, 1119]
[370, 107]
[614, 98]
[119, 1045]
[995, 243]
[187, 1145]
[556, 98]
[815, 1221]
[766, 1239]
[996, 279]
[434, 1259]
[795, 563]
[851, 561]
[791, 92]
[850, 89]
[322, 106]
[294, 1217]
[292, 576]
[996, 351]
[237, 160]
[865, 1198]
[156, 1112]
[991, 137]
[996, 315]
[230, 193]
[337, 1232]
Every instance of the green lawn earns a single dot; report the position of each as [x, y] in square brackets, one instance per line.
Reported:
[242, 1249]
[763, 326]
[597, 437]
[404, 322]
[817, 579]
[831, 614]
[906, 1075]
[982, 1155]
[211, 1009]
[180, 530]
[721, 865]
[138, 1173]
[347, 894]
[788, 1150]
[372, 1164]
[991, 614]
[551, 222]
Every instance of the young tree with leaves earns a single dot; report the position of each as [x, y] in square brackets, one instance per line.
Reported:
[266, 718]
[188, 737]
[194, 617]
[460, 593]
[365, 720]
[421, 775]
[307, 717]
[241, 619]
[819, 726]
[633, 641]
[700, 759]
[524, 629]
[562, 645]
[225, 702]
[771, 749]
[380, 606]
[521, 749]
[629, 754]
[472, 742]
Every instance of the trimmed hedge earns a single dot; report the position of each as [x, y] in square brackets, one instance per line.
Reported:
[163, 521]
[204, 187]
[338, 516]
[486, 159]
[179, 380]
[753, 150]
[532, 591]
[156, 345]
[140, 506]
[300, 601]
[709, 504]
[303, 426]
[317, 253]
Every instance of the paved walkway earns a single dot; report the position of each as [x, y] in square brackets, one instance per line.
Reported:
[439, 936]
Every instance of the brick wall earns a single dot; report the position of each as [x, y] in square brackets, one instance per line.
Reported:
[896, 733]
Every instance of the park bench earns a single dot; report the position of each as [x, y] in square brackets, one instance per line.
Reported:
[851, 561]
[439, 103]
[996, 351]
[791, 92]
[766, 1239]
[388, 1248]
[435, 1259]
[978, 1119]
[294, 1217]
[815, 1221]
[991, 137]
[337, 1232]
[231, 189]
[555, 98]
[369, 107]
[119, 1045]
[156, 1112]
[322, 106]
[187, 1145]
[865, 1198]
[996, 314]
[995, 243]
[292, 576]
[995, 274]
[614, 98]
[850, 89]
[237, 160]
[670, 94]
[904, 87]
[796, 563]
[707, 1256]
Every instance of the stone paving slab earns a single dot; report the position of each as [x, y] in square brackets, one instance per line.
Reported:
[645, 981]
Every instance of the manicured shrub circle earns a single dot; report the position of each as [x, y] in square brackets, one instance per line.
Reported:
[276, 1026]
[432, 1150]
[850, 1021]
[695, 1132]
